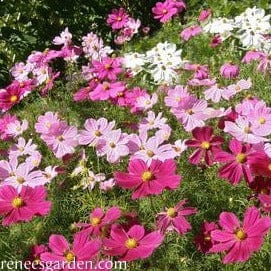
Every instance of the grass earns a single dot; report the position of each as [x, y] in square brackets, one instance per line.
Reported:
[202, 188]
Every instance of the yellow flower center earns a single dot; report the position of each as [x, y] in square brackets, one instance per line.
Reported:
[106, 86]
[247, 130]
[269, 167]
[69, 256]
[241, 157]
[164, 11]
[112, 145]
[107, 66]
[262, 120]
[21, 149]
[119, 19]
[171, 212]
[189, 111]
[20, 180]
[17, 202]
[131, 243]
[60, 138]
[207, 237]
[150, 153]
[95, 221]
[205, 145]
[14, 98]
[147, 176]
[97, 133]
[264, 191]
[240, 235]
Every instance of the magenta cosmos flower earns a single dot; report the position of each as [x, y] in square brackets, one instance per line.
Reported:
[107, 68]
[100, 221]
[150, 180]
[190, 32]
[236, 164]
[239, 241]
[206, 145]
[260, 164]
[229, 70]
[117, 19]
[203, 240]
[82, 250]
[174, 218]
[23, 206]
[204, 15]
[164, 11]
[133, 244]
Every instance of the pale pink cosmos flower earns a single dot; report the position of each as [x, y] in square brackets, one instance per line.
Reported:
[108, 184]
[174, 218]
[179, 147]
[260, 118]
[34, 159]
[90, 180]
[16, 128]
[238, 87]
[201, 82]
[190, 32]
[175, 95]
[22, 148]
[191, 112]
[241, 130]
[62, 139]
[164, 132]
[65, 38]
[50, 173]
[216, 93]
[152, 121]
[7, 168]
[146, 102]
[45, 122]
[153, 149]
[264, 64]
[24, 176]
[20, 71]
[113, 145]
[251, 56]
[94, 130]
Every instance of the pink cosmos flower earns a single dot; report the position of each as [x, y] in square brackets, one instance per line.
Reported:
[265, 201]
[260, 164]
[49, 83]
[22, 148]
[100, 221]
[206, 145]
[190, 32]
[261, 186]
[236, 164]
[152, 121]
[117, 19]
[45, 122]
[152, 148]
[107, 185]
[203, 240]
[62, 139]
[238, 87]
[201, 72]
[241, 130]
[10, 96]
[145, 102]
[94, 130]
[107, 68]
[216, 93]
[65, 38]
[133, 244]
[229, 70]
[239, 241]
[216, 41]
[204, 15]
[24, 176]
[20, 71]
[16, 128]
[107, 90]
[148, 180]
[264, 64]
[34, 258]
[81, 251]
[173, 219]
[191, 112]
[175, 95]
[164, 11]
[179, 4]
[113, 145]
[4, 122]
[251, 56]
[22, 206]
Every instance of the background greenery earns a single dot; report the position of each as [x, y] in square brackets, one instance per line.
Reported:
[202, 188]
